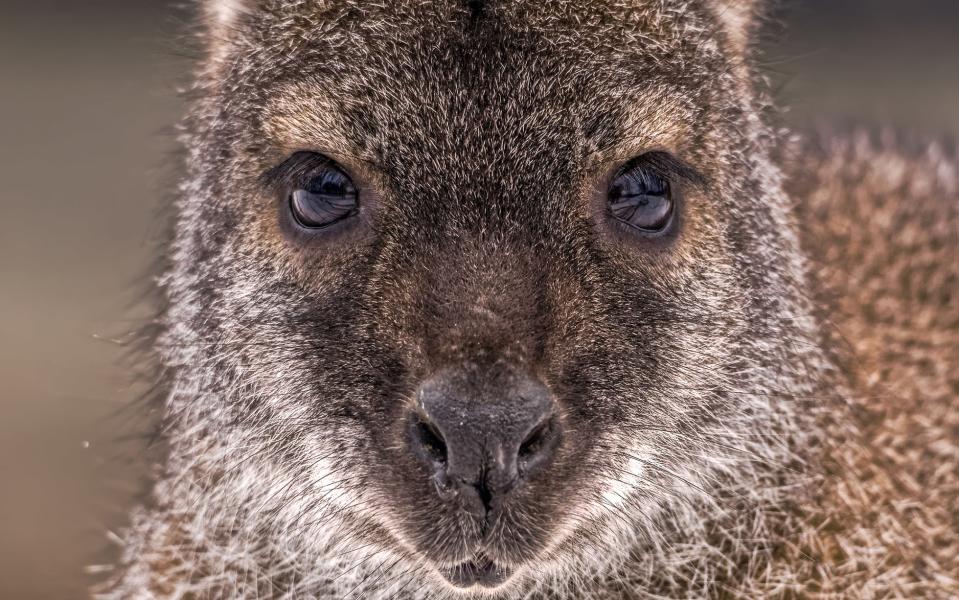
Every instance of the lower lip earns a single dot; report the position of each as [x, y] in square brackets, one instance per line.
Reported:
[482, 572]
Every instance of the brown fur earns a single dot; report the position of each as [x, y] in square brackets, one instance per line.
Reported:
[880, 221]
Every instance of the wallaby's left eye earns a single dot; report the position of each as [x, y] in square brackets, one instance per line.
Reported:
[640, 197]
[328, 197]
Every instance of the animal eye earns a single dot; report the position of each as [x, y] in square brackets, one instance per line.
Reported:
[327, 197]
[640, 197]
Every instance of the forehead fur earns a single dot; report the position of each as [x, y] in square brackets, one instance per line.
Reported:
[313, 68]
[736, 13]
[224, 18]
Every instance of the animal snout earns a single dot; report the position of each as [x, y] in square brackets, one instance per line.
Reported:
[483, 436]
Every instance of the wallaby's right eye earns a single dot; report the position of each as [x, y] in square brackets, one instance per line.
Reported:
[316, 194]
[326, 198]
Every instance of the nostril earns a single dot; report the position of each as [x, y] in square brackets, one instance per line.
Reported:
[429, 442]
[537, 440]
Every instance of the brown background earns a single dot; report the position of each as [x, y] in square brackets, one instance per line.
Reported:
[87, 103]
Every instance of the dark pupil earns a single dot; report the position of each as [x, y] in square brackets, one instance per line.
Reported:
[641, 199]
[330, 182]
[328, 197]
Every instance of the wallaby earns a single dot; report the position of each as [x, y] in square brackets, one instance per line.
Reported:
[526, 299]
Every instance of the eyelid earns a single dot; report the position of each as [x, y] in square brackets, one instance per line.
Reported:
[295, 170]
[665, 165]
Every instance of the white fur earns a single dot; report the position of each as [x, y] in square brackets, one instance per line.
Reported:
[222, 13]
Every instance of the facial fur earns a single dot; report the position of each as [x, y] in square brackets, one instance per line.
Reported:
[480, 136]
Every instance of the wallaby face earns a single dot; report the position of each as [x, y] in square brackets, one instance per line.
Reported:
[481, 295]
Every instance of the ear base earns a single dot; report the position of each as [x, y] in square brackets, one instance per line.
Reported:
[739, 19]
[224, 13]
[221, 20]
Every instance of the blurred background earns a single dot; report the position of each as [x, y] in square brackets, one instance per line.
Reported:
[87, 107]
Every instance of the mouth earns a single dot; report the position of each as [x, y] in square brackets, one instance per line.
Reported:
[481, 571]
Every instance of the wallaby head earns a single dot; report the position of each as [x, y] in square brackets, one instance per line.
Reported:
[478, 298]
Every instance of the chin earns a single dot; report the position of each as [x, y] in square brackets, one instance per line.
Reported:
[479, 574]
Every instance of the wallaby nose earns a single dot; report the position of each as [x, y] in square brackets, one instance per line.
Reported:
[483, 435]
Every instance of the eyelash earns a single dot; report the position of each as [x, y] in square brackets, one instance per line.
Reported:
[666, 166]
[294, 171]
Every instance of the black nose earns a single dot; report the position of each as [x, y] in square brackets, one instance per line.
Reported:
[483, 434]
